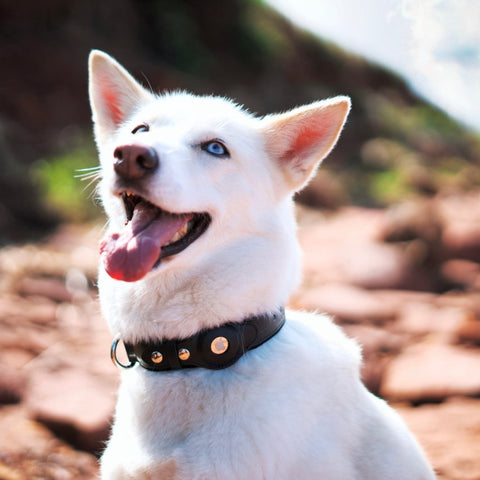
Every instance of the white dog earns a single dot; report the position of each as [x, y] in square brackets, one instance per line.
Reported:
[199, 258]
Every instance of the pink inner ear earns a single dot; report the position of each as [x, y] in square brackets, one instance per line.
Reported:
[307, 141]
[112, 103]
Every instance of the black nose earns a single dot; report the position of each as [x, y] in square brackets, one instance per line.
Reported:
[134, 161]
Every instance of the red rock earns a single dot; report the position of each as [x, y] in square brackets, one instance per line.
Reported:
[461, 218]
[325, 240]
[27, 336]
[346, 303]
[374, 340]
[469, 330]
[51, 288]
[462, 241]
[382, 266]
[29, 451]
[12, 385]
[15, 358]
[345, 249]
[462, 274]
[469, 301]
[450, 434]
[409, 221]
[73, 404]
[40, 311]
[7, 473]
[432, 372]
[324, 191]
[372, 372]
[378, 346]
[426, 319]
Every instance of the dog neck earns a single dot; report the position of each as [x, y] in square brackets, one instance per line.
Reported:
[230, 284]
[213, 349]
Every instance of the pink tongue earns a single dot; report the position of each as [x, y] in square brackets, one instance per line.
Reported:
[130, 254]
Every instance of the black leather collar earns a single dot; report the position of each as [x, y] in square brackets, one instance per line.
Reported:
[213, 349]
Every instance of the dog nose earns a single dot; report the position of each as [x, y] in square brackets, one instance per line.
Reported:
[135, 161]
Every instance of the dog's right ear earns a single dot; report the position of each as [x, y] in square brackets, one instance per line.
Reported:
[114, 94]
[300, 139]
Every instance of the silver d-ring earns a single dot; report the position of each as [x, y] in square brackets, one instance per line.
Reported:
[113, 354]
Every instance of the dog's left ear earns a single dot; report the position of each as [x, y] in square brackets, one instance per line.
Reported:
[301, 138]
[114, 94]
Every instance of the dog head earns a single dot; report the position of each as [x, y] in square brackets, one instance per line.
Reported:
[187, 179]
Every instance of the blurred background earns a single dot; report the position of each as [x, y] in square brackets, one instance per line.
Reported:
[390, 225]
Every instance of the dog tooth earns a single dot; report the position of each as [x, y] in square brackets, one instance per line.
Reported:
[180, 233]
[176, 237]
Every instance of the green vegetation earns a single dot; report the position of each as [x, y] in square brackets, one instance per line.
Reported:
[68, 182]
[414, 149]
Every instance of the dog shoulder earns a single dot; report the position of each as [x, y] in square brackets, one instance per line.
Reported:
[325, 338]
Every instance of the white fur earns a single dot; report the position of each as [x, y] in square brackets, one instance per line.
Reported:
[294, 407]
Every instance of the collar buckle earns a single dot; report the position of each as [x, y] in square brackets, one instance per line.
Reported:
[114, 358]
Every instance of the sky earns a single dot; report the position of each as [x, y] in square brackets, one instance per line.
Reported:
[433, 44]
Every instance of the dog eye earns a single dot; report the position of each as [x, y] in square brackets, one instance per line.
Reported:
[141, 128]
[214, 147]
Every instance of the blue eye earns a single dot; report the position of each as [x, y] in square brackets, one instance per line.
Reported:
[214, 147]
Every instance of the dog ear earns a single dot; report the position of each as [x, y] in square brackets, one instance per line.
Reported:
[114, 93]
[301, 138]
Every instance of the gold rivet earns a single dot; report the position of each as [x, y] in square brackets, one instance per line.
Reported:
[157, 357]
[219, 345]
[183, 354]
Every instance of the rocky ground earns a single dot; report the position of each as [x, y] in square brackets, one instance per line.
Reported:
[405, 282]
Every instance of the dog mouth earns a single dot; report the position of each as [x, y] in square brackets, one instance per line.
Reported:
[150, 235]
[194, 224]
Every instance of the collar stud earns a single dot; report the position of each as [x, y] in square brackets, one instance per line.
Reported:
[184, 354]
[157, 357]
[219, 345]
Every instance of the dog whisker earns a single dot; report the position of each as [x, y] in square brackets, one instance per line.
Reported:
[87, 173]
[92, 175]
